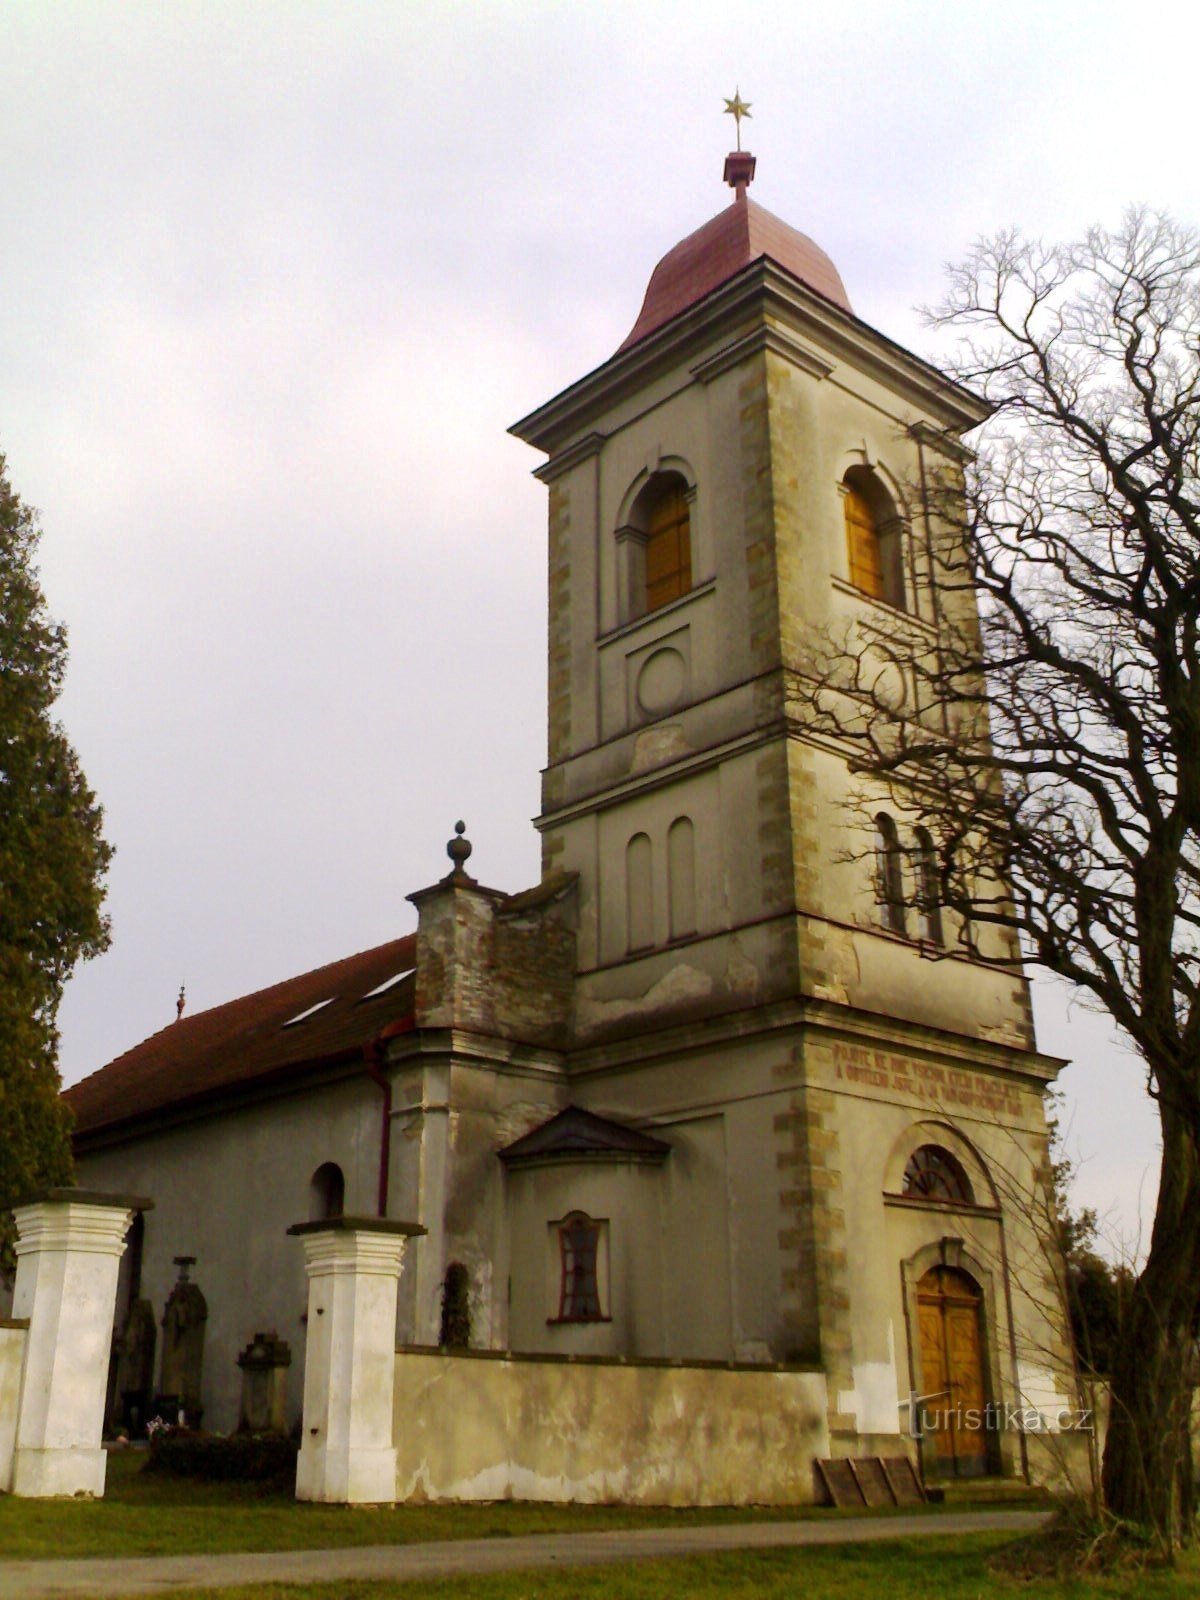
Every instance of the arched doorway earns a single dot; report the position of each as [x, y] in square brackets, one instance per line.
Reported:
[954, 1417]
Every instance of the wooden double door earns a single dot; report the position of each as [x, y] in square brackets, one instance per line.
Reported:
[955, 1419]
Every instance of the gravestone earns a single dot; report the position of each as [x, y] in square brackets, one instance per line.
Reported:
[135, 1366]
[264, 1363]
[183, 1346]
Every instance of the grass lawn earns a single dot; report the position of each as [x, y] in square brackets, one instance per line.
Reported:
[145, 1514]
[906, 1570]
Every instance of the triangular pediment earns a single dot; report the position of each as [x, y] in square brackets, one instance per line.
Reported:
[578, 1134]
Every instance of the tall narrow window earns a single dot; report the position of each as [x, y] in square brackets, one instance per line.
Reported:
[668, 542]
[579, 1294]
[862, 544]
[889, 873]
[929, 896]
[681, 877]
[639, 893]
[874, 537]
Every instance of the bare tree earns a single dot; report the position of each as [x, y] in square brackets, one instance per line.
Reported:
[1049, 741]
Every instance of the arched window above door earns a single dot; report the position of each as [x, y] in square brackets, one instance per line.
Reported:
[933, 1173]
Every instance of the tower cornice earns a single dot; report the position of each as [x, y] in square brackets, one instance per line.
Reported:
[762, 293]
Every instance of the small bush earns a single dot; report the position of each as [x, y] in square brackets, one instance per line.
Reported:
[241, 1458]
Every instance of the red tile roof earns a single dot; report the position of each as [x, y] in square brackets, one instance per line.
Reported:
[248, 1040]
[718, 251]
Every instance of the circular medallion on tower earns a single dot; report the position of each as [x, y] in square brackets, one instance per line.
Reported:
[661, 682]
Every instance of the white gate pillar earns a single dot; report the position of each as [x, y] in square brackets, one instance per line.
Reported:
[69, 1248]
[353, 1264]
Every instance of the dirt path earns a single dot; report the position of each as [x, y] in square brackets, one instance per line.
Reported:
[150, 1575]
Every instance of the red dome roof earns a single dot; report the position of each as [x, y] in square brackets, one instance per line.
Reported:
[735, 237]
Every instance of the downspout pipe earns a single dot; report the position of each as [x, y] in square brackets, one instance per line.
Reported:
[375, 1057]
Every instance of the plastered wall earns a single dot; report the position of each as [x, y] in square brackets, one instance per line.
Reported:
[504, 1428]
[12, 1357]
[225, 1190]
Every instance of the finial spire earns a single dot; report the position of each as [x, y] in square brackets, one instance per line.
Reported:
[739, 163]
[180, 1003]
[737, 108]
[459, 849]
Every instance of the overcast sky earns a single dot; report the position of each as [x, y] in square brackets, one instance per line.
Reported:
[274, 280]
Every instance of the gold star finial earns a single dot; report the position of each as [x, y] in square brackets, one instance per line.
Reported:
[737, 108]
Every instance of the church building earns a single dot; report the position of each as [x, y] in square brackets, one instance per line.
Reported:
[726, 1086]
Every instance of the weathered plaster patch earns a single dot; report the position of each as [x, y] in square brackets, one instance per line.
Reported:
[741, 975]
[469, 1429]
[1002, 1033]
[835, 992]
[680, 984]
[1039, 1388]
[874, 1401]
[654, 747]
[754, 1352]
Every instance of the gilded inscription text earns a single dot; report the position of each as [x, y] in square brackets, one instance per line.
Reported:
[952, 1088]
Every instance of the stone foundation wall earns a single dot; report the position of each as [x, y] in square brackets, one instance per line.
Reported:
[12, 1360]
[478, 1425]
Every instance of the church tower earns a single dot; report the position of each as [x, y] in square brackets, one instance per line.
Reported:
[764, 975]
[746, 474]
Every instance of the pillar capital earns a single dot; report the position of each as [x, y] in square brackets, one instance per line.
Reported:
[75, 1219]
[354, 1244]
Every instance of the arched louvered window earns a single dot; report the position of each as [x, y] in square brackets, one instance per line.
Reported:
[889, 874]
[862, 544]
[874, 546]
[663, 508]
[929, 892]
[934, 1174]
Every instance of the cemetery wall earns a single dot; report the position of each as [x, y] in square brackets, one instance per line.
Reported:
[482, 1425]
[13, 1335]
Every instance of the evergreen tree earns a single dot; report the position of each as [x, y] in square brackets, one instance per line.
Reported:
[52, 864]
